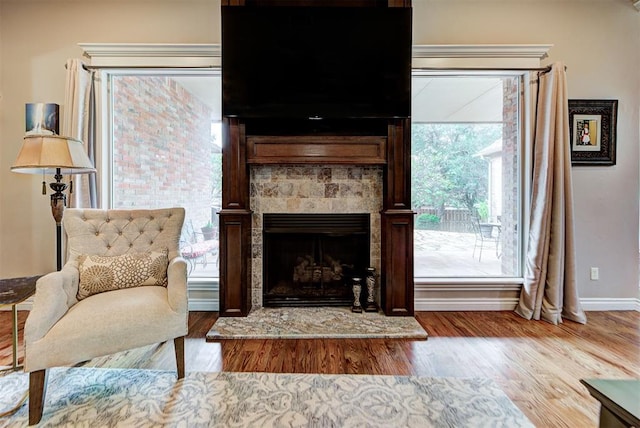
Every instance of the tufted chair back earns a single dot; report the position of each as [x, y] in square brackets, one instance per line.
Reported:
[117, 232]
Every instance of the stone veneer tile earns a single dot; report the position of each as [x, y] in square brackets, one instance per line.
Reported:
[354, 173]
[331, 190]
[324, 175]
[352, 189]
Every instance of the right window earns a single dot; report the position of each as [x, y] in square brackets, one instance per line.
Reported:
[467, 170]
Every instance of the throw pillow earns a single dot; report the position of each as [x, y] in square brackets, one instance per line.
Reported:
[106, 273]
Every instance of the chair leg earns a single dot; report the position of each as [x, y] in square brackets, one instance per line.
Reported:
[178, 344]
[37, 392]
[475, 245]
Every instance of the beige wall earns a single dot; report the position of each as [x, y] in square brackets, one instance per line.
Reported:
[597, 39]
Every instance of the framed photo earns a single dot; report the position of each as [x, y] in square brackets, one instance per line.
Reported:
[593, 131]
[42, 118]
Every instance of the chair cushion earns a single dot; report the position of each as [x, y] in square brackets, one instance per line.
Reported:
[106, 273]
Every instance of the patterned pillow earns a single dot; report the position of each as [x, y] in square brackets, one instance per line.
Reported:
[106, 273]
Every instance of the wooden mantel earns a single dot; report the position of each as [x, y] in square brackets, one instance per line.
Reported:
[242, 148]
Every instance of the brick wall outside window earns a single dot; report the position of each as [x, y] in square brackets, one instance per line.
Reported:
[163, 152]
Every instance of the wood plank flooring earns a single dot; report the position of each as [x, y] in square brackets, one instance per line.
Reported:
[538, 365]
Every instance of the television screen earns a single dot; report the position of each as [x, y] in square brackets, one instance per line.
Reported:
[316, 62]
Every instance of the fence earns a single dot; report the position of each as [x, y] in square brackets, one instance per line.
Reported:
[449, 220]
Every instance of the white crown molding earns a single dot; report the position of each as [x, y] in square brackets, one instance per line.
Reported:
[209, 55]
[481, 51]
[94, 50]
[478, 56]
[152, 54]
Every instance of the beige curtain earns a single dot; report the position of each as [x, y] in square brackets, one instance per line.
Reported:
[550, 290]
[79, 122]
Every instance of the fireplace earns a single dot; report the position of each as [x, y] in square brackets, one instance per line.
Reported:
[257, 169]
[311, 259]
[273, 144]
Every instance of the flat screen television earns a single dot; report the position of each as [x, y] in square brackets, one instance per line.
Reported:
[316, 62]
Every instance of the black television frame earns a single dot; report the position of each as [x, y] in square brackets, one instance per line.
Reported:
[316, 62]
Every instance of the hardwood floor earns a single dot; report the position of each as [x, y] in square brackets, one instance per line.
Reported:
[538, 365]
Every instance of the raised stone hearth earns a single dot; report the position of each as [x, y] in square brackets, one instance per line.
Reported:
[315, 323]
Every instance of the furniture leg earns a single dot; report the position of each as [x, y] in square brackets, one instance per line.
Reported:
[178, 344]
[37, 392]
[14, 310]
[609, 420]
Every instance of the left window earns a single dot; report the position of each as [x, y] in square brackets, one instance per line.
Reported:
[165, 150]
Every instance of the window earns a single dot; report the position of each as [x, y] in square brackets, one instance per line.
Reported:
[466, 165]
[166, 151]
[467, 175]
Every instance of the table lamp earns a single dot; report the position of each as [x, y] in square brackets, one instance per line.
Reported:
[53, 154]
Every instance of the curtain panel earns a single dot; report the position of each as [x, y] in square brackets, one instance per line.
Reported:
[550, 290]
[79, 122]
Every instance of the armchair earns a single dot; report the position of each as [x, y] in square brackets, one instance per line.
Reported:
[70, 323]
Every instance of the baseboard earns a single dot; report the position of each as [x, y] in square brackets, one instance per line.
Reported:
[610, 304]
[507, 304]
[464, 304]
[204, 305]
[438, 304]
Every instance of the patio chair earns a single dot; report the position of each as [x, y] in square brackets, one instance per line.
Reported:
[484, 232]
[195, 249]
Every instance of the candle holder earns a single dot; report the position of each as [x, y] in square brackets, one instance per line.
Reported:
[357, 289]
[371, 289]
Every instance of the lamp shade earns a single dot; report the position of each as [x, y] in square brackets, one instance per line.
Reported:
[45, 154]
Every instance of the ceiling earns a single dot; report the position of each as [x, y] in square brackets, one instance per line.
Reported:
[460, 99]
[440, 99]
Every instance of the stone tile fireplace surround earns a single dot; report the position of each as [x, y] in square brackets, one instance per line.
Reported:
[312, 189]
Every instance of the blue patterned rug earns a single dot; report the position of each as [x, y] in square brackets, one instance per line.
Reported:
[90, 397]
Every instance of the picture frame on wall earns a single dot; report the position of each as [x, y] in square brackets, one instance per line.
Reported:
[42, 119]
[592, 125]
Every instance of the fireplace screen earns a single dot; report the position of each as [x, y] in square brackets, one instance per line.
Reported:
[311, 259]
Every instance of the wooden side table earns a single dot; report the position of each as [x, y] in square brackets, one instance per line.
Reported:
[12, 292]
[619, 399]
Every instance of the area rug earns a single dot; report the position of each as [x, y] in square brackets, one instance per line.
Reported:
[148, 398]
[315, 323]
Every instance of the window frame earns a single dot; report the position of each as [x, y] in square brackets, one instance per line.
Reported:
[525, 118]
[436, 58]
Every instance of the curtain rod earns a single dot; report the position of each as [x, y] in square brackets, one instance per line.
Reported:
[148, 67]
[538, 69]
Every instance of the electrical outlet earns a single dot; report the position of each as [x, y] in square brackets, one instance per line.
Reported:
[595, 274]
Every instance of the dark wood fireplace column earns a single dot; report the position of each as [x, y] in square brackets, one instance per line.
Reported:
[235, 223]
[397, 223]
